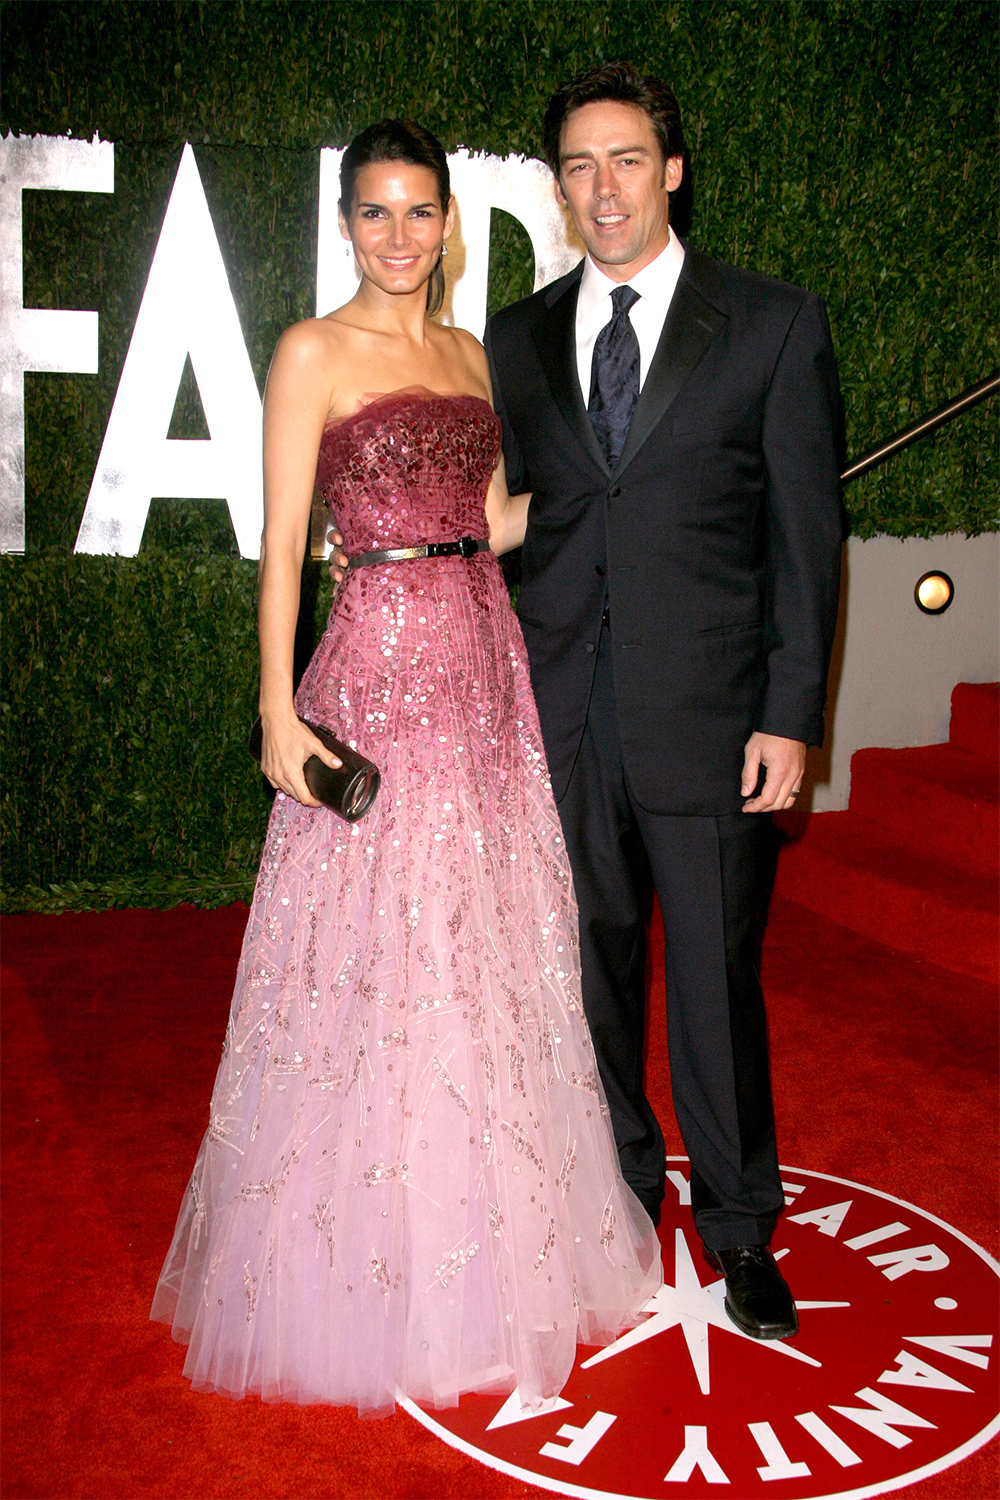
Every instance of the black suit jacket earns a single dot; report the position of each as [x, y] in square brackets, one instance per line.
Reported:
[715, 542]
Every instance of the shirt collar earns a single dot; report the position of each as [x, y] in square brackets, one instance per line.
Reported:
[654, 282]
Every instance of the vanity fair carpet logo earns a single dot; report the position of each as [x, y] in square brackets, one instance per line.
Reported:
[891, 1379]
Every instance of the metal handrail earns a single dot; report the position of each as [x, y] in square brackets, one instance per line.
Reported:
[946, 413]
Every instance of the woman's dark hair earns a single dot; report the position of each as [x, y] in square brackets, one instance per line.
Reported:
[405, 141]
[621, 83]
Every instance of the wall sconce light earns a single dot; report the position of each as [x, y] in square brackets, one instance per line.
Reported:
[933, 593]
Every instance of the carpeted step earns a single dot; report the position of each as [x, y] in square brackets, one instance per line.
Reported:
[975, 718]
[860, 874]
[936, 798]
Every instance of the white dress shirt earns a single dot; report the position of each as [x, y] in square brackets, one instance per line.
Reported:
[655, 284]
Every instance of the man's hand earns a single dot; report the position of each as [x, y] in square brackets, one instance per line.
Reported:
[784, 762]
[338, 560]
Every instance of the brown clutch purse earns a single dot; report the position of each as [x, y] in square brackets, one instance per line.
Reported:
[349, 791]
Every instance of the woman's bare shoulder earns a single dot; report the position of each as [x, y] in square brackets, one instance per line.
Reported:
[470, 351]
[316, 337]
[468, 343]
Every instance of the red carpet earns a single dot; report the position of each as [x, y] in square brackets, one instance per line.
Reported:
[913, 862]
[884, 1070]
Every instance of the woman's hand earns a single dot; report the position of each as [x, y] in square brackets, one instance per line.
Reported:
[288, 744]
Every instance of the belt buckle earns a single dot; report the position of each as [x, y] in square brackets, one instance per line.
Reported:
[467, 546]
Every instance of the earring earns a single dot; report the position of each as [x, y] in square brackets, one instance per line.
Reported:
[444, 249]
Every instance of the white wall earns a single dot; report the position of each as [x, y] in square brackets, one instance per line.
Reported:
[893, 666]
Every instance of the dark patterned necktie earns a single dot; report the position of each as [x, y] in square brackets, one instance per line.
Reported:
[614, 376]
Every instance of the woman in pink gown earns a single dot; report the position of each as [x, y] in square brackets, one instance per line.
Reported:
[408, 1182]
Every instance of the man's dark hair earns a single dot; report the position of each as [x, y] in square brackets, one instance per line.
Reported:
[620, 83]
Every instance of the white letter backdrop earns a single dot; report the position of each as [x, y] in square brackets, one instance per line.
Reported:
[37, 338]
[187, 309]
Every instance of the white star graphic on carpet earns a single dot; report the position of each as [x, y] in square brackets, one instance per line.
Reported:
[694, 1307]
[512, 1410]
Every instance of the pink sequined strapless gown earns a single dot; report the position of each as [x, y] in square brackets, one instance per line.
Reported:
[409, 1182]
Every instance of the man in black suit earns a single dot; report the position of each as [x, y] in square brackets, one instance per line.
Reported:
[677, 422]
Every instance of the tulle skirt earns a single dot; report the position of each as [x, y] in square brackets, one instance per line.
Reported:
[409, 1182]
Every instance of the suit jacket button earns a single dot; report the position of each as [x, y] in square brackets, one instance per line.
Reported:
[598, 570]
[614, 492]
[589, 647]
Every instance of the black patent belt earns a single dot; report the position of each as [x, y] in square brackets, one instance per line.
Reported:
[466, 546]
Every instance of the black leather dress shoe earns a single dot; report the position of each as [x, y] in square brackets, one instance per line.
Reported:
[757, 1296]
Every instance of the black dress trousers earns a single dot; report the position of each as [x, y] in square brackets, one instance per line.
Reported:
[709, 874]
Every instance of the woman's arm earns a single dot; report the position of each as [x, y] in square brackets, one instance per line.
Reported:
[296, 404]
[507, 514]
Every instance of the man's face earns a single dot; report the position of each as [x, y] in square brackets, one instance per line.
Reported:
[613, 179]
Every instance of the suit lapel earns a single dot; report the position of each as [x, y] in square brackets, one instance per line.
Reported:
[692, 324]
[555, 340]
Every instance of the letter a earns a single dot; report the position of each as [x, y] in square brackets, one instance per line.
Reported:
[958, 1346]
[827, 1220]
[914, 1371]
[187, 308]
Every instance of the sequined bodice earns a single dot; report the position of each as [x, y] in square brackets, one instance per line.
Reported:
[411, 466]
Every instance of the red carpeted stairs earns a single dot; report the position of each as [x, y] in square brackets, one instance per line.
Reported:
[914, 861]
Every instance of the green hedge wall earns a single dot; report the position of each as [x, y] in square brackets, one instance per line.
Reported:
[846, 146]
